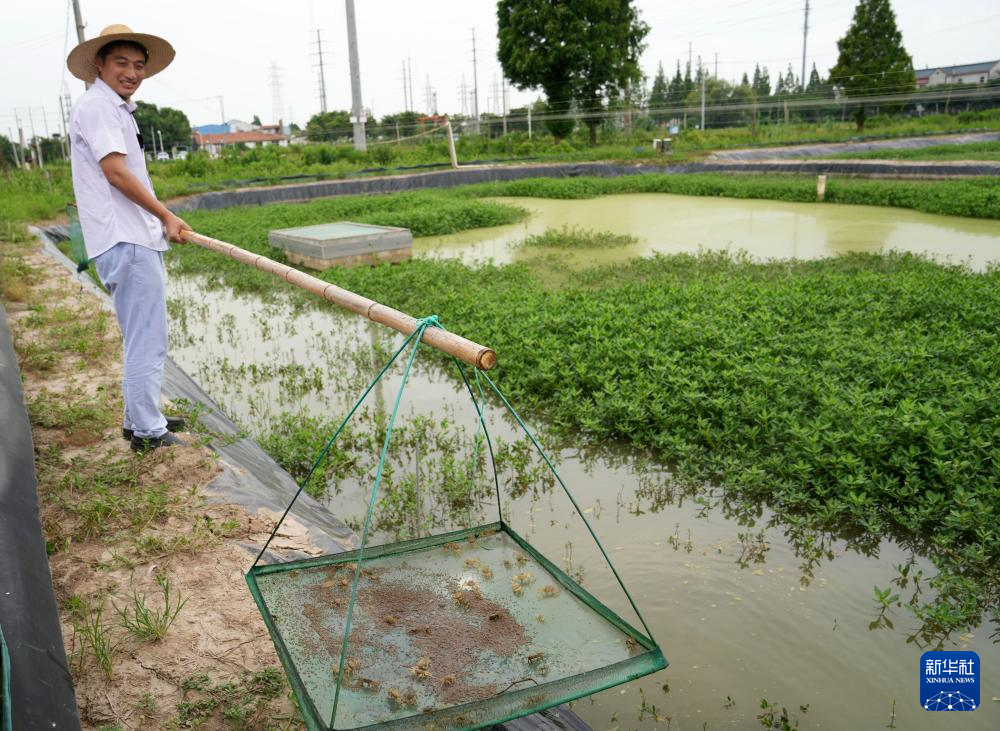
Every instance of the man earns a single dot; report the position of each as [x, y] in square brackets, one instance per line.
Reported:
[123, 222]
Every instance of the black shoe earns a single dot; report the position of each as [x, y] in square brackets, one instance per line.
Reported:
[144, 444]
[174, 423]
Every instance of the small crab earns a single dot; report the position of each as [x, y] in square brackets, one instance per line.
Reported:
[389, 620]
[516, 587]
[402, 698]
[548, 591]
[451, 547]
[472, 562]
[525, 578]
[423, 630]
[486, 571]
[461, 598]
[421, 671]
[494, 617]
[367, 684]
[448, 680]
[351, 666]
[540, 617]
[520, 558]
[535, 658]
[508, 565]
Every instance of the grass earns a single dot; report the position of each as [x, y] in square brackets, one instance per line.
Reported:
[150, 623]
[969, 151]
[577, 238]
[96, 639]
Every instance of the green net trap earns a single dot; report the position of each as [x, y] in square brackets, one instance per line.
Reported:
[460, 630]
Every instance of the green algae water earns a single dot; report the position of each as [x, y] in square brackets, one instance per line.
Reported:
[672, 224]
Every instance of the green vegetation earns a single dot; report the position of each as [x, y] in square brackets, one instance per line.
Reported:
[970, 151]
[577, 238]
[95, 638]
[239, 705]
[150, 623]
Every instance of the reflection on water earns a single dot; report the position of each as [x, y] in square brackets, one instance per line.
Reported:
[744, 605]
[671, 224]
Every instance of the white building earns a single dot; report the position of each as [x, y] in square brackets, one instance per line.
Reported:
[970, 73]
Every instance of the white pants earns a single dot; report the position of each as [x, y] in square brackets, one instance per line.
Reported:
[135, 277]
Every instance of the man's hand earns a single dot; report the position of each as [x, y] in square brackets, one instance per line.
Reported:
[173, 226]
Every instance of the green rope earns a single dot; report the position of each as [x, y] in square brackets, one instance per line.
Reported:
[419, 333]
[571, 499]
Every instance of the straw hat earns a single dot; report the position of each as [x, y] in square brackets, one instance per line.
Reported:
[81, 59]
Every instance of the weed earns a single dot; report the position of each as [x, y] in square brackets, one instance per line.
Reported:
[241, 704]
[96, 638]
[147, 623]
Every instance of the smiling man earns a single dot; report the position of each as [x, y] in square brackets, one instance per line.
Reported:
[124, 226]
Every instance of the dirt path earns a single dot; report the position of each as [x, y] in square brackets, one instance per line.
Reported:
[131, 538]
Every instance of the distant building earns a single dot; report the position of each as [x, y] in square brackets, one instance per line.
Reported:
[970, 73]
[213, 143]
[210, 129]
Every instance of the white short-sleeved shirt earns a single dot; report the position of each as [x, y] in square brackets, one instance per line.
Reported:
[102, 123]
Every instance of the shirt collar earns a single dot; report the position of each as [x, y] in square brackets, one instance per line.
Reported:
[110, 93]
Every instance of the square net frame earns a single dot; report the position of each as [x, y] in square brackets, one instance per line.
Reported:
[413, 671]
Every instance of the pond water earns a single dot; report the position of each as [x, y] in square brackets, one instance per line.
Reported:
[671, 224]
[743, 609]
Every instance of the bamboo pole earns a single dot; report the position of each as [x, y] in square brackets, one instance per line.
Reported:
[467, 351]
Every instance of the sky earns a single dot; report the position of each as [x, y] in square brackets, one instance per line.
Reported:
[229, 53]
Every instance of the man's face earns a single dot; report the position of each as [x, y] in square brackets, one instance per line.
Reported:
[123, 69]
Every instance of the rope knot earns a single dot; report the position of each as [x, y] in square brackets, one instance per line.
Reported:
[430, 321]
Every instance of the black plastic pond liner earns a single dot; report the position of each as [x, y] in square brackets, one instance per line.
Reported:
[37, 680]
[219, 200]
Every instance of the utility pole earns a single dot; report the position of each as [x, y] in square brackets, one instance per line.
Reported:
[409, 74]
[805, 35]
[79, 28]
[503, 98]
[322, 75]
[222, 110]
[160, 134]
[428, 94]
[357, 112]
[406, 97]
[701, 73]
[15, 148]
[65, 131]
[34, 138]
[716, 65]
[475, 85]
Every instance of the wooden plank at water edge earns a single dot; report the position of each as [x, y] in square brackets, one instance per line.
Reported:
[478, 356]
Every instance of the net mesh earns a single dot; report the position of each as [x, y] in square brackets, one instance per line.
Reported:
[461, 630]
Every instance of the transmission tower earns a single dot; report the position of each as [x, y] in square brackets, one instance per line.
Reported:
[277, 108]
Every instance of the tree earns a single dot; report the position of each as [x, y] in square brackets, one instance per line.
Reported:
[171, 124]
[872, 58]
[576, 51]
[676, 89]
[328, 126]
[659, 98]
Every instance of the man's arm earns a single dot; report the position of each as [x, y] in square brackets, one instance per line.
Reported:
[119, 176]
